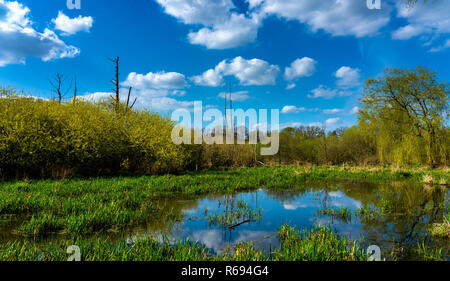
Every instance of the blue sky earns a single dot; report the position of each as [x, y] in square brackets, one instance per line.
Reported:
[307, 58]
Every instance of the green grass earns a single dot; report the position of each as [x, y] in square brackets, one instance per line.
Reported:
[343, 214]
[441, 229]
[236, 213]
[87, 206]
[319, 244]
[428, 253]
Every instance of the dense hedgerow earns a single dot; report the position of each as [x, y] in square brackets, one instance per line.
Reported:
[46, 138]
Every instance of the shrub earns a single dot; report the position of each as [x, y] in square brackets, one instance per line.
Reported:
[45, 138]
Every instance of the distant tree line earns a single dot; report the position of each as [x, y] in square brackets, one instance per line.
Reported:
[403, 120]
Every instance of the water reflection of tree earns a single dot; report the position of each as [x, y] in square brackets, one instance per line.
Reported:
[172, 212]
[404, 212]
[229, 204]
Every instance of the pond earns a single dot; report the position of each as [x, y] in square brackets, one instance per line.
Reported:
[398, 219]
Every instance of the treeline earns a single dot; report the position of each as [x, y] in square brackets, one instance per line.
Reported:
[49, 138]
[357, 145]
[403, 120]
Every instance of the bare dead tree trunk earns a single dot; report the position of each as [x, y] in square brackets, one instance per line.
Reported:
[128, 99]
[57, 84]
[231, 110]
[75, 89]
[115, 82]
[226, 117]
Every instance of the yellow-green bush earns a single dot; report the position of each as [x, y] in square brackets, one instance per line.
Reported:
[45, 138]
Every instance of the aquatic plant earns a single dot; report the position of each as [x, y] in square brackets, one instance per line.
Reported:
[343, 214]
[429, 253]
[317, 244]
[235, 214]
[320, 244]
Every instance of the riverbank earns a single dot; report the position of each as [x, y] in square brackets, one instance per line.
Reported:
[88, 211]
[85, 206]
[317, 244]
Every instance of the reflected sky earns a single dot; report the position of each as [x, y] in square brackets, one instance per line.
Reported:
[300, 209]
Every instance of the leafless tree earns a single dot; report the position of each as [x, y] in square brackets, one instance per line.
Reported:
[115, 81]
[128, 99]
[57, 82]
[75, 88]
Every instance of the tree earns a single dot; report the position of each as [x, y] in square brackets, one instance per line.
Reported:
[57, 84]
[115, 81]
[75, 89]
[409, 103]
[116, 84]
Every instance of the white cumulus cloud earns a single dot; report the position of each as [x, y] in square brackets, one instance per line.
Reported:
[20, 40]
[332, 123]
[156, 91]
[236, 31]
[292, 109]
[337, 17]
[430, 20]
[220, 26]
[333, 111]
[348, 77]
[303, 67]
[326, 93]
[206, 12]
[291, 86]
[160, 80]
[70, 26]
[248, 72]
[153, 100]
[354, 110]
[209, 78]
[236, 96]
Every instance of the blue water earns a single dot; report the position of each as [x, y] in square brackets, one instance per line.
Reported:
[420, 208]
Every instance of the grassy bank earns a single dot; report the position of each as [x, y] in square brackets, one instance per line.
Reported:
[317, 244]
[86, 206]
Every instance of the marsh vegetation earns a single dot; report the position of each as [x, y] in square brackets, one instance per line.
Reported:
[213, 214]
[107, 177]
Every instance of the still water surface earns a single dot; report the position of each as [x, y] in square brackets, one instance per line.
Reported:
[405, 211]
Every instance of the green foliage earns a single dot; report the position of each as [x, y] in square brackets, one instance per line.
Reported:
[235, 213]
[318, 244]
[300, 145]
[46, 138]
[429, 253]
[343, 214]
[403, 121]
[86, 206]
[226, 155]
[407, 111]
